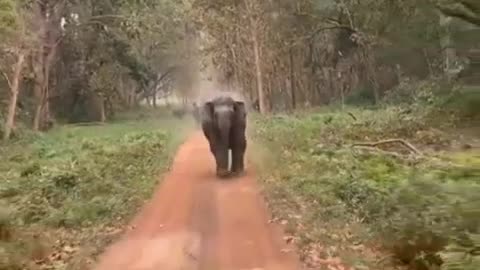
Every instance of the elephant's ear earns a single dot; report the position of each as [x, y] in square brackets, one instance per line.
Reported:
[209, 108]
[239, 107]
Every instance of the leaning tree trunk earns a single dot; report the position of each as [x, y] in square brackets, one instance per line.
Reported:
[467, 10]
[14, 89]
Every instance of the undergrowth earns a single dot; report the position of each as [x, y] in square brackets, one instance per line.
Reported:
[344, 201]
[72, 186]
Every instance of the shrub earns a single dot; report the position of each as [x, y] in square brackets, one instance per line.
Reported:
[421, 211]
[73, 184]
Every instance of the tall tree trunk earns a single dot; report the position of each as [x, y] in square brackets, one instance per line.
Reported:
[41, 89]
[292, 81]
[38, 91]
[14, 90]
[371, 74]
[154, 98]
[446, 44]
[48, 17]
[258, 71]
[103, 115]
[38, 60]
[252, 8]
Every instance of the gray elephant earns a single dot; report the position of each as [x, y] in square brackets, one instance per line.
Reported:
[224, 121]
[178, 112]
[196, 112]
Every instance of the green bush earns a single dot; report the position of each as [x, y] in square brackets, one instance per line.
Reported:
[361, 97]
[75, 183]
[418, 210]
[462, 253]
[465, 101]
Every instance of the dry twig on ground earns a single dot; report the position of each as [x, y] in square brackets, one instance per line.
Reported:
[352, 115]
[374, 150]
[408, 145]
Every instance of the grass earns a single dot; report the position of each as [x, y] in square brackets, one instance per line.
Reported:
[375, 208]
[67, 193]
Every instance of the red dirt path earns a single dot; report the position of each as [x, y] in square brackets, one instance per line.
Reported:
[198, 222]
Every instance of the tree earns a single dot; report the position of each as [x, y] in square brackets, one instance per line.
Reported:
[136, 39]
[12, 28]
[308, 53]
[47, 16]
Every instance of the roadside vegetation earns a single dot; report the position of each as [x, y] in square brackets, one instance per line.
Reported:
[68, 192]
[377, 188]
[84, 134]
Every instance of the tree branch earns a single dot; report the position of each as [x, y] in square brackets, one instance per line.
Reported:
[381, 152]
[465, 10]
[352, 115]
[7, 79]
[390, 141]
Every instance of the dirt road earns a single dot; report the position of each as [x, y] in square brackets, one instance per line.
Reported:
[198, 222]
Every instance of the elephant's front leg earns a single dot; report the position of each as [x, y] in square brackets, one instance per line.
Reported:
[238, 156]
[221, 158]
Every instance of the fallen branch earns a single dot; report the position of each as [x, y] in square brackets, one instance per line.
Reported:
[353, 116]
[389, 141]
[85, 124]
[381, 152]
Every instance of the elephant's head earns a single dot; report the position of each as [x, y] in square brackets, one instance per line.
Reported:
[225, 112]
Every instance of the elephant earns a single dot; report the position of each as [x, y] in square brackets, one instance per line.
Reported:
[256, 105]
[223, 122]
[178, 112]
[196, 112]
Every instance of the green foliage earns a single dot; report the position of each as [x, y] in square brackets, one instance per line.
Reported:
[439, 96]
[417, 208]
[5, 223]
[72, 182]
[463, 254]
[465, 101]
[361, 97]
[8, 18]
[411, 91]
[79, 177]
[124, 46]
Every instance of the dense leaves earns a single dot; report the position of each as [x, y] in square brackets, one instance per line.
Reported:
[318, 52]
[86, 60]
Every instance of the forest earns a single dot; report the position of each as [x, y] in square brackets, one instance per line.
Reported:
[364, 122]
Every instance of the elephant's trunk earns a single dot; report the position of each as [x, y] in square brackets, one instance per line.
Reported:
[224, 125]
